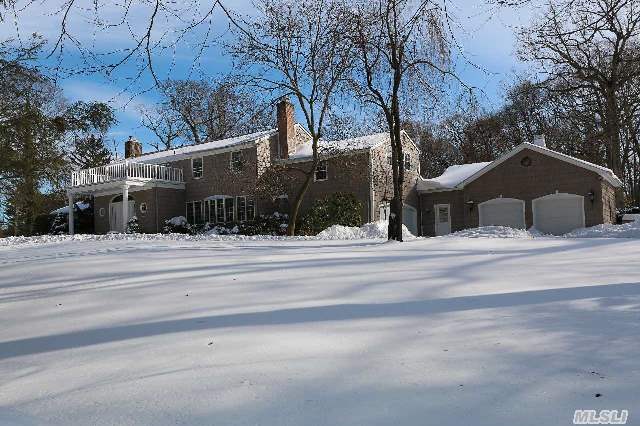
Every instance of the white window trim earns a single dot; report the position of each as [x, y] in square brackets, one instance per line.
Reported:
[326, 171]
[215, 199]
[202, 172]
[407, 159]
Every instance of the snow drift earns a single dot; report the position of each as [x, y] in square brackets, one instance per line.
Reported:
[373, 230]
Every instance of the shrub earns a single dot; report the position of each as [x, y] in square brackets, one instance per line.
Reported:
[272, 224]
[60, 224]
[177, 225]
[133, 227]
[336, 209]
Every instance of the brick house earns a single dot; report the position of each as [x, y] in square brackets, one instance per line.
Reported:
[529, 186]
[220, 181]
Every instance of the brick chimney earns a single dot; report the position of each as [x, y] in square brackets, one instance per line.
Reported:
[539, 140]
[286, 129]
[132, 148]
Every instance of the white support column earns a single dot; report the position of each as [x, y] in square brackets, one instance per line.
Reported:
[125, 207]
[70, 215]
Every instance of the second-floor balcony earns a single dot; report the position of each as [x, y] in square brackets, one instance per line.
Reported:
[126, 171]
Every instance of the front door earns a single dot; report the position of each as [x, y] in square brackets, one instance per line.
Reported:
[115, 215]
[443, 219]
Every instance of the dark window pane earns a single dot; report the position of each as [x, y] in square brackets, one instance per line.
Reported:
[197, 207]
[321, 171]
[220, 211]
[190, 213]
[196, 165]
[242, 205]
[251, 210]
[229, 209]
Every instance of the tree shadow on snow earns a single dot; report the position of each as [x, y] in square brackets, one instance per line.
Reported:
[342, 312]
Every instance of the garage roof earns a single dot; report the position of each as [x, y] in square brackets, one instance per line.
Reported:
[444, 183]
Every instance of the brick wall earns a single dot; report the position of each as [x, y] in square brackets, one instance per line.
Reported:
[347, 173]
[162, 204]
[382, 177]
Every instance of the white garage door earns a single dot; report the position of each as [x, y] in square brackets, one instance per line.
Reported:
[558, 213]
[502, 212]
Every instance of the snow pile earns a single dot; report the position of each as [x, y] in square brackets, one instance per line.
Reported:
[178, 221]
[114, 236]
[627, 230]
[493, 232]
[368, 231]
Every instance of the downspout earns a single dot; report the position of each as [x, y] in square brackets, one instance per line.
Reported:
[155, 196]
[420, 227]
[371, 194]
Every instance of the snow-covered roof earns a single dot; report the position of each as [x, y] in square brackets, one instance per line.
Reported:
[65, 210]
[195, 150]
[328, 148]
[451, 177]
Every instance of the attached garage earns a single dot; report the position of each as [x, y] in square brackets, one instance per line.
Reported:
[502, 212]
[558, 214]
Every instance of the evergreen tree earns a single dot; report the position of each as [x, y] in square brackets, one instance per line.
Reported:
[86, 124]
[90, 151]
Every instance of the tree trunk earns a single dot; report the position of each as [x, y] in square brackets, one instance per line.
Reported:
[293, 215]
[612, 129]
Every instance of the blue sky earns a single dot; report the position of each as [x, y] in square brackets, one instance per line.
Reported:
[484, 34]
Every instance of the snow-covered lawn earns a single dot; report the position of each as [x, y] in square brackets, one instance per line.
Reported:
[442, 331]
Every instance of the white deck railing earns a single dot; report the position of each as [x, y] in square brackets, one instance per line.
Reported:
[126, 170]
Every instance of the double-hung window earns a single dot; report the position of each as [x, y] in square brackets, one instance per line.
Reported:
[196, 167]
[321, 172]
[251, 209]
[245, 208]
[241, 203]
[221, 209]
[407, 161]
[237, 161]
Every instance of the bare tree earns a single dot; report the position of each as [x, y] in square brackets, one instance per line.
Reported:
[198, 111]
[589, 45]
[297, 48]
[163, 124]
[402, 51]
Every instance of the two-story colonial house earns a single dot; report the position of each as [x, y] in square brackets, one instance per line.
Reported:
[219, 181]
[222, 182]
